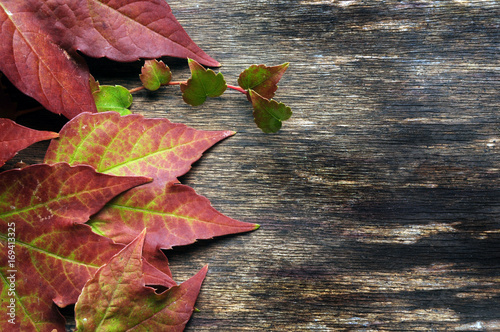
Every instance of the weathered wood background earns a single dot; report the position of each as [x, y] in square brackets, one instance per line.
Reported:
[379, 201]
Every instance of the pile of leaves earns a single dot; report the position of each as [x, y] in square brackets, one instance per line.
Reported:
[89, 224]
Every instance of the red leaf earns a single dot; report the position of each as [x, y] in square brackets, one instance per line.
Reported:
[131, 145]
[124, 30]
[39, 40]
[174, 216]
[48, 254]
[14, 137]
[37, 66]
[116, 298]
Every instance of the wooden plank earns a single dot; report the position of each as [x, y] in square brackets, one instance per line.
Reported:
[379, 201]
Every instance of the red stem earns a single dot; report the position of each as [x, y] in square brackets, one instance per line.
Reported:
[177, 83]
[139, 88]
[237, 88]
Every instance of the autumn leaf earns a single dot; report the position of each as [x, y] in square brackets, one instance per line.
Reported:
[45, 243]
[174, 215]
[154, 74]
[202, 84]
[123, 30]
[14, 137]
[131, 145]
[116, 298]
[262, 79]
[113, 98]
[37, 66]
[268, 114]
[39, 40]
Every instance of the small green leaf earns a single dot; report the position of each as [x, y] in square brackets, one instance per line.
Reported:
[155, 74]
[262, 79]
[202, 84]
[268, 114]
[113, 98]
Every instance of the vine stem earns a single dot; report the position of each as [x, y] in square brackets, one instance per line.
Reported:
[236, 88]
[139, 88]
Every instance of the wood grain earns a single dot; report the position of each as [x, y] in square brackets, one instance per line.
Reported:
[379, 201]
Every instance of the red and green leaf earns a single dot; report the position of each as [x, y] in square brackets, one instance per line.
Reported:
[39, 40]
[105, 302]
[42, 211]
[262, 79]
[154, 74]
[203, 83]
[174, 215]
[131, 145]
[14, 138]
[268, 114]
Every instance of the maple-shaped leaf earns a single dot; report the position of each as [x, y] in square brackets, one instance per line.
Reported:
[14, 137]
[39, 40]
[113, 98]
[174, 215]
[48, 254]
[154, 74]
[268, 114]
[131, 145]
[203, 83]
[116, 298]
[262, 79]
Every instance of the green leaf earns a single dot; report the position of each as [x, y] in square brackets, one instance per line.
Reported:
[202, 84]
[268, 114]
[116, 298]
[262, 79]
[155, 74]
[113, 98]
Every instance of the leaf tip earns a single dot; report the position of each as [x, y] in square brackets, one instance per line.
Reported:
[256, 227]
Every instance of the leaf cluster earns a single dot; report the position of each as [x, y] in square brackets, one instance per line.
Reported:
[94, 217]
[258, 82]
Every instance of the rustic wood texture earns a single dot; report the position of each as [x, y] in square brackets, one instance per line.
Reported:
[379, 201]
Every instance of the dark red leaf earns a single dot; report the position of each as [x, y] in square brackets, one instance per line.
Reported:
[37, 66]
[124, 30]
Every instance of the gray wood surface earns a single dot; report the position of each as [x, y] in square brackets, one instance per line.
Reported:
[379, 201]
